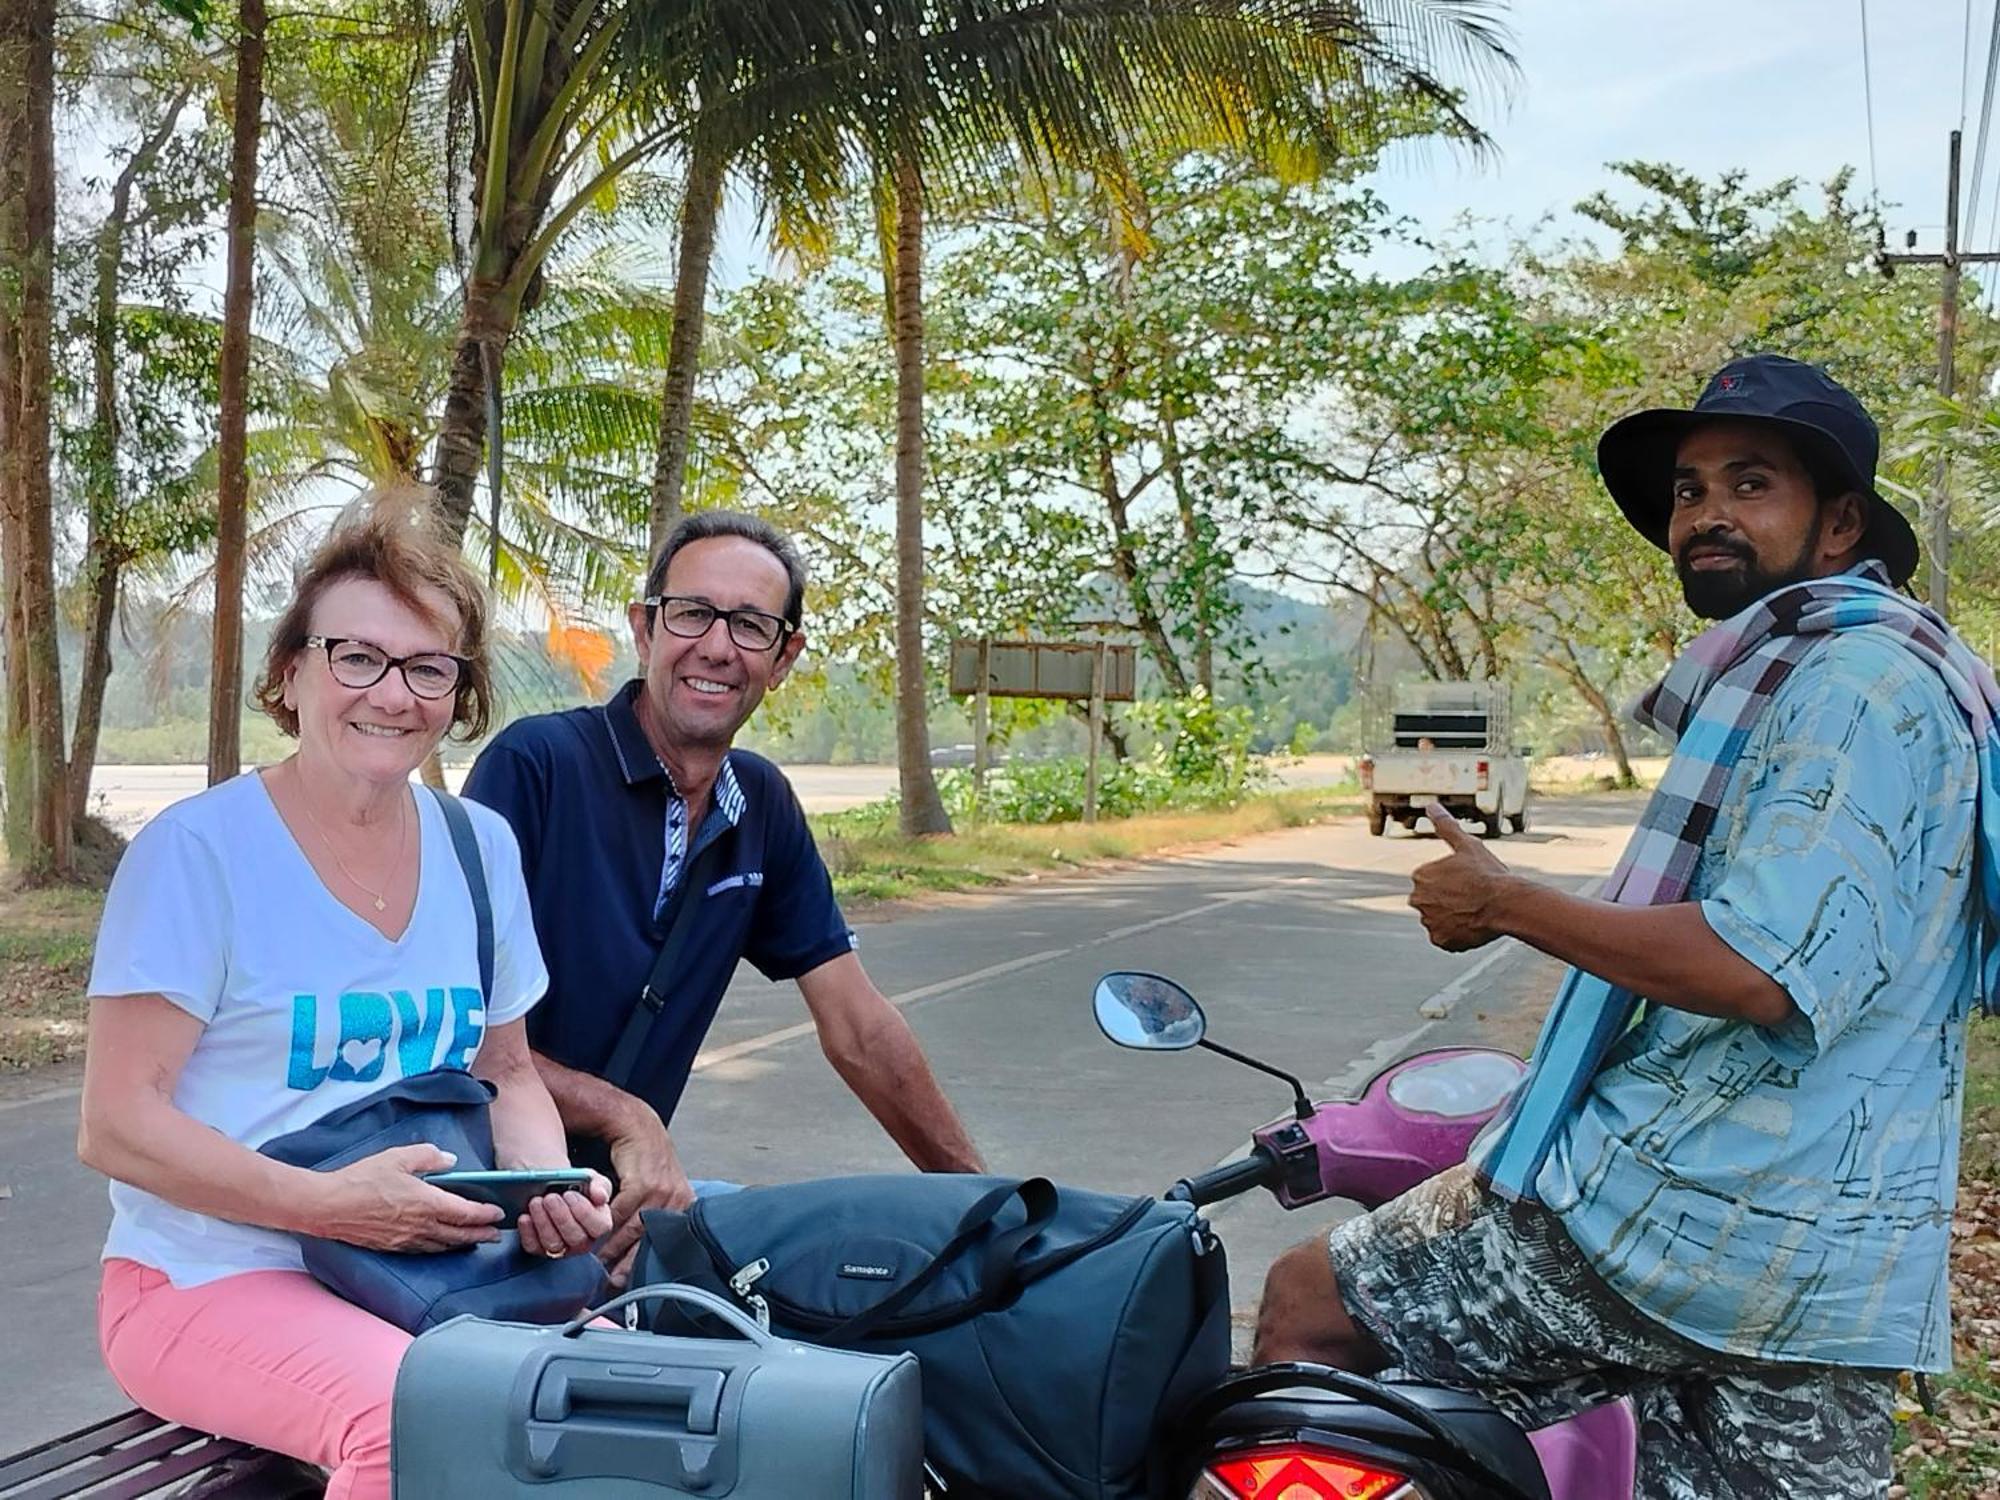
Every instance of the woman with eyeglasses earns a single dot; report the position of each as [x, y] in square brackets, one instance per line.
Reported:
[284, 944]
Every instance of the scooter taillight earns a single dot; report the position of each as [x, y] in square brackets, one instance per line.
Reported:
[1295, 1472]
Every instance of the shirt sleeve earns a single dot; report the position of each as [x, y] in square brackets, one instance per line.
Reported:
[515, 785]
[166, 922]
[1822, 888]
[520, 978]
[798, 924]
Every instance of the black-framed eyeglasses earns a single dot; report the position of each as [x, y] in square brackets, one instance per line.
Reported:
[752, 629]
[356, 664]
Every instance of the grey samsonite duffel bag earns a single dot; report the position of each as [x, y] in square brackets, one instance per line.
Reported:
[489, 1411]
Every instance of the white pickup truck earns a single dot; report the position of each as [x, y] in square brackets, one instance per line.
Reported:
[1451, 742]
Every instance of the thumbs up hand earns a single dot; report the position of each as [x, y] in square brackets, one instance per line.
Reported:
[1456, 895]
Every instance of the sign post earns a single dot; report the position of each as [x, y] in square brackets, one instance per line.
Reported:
[1096, 734]
[982, 702]
[1099, 671]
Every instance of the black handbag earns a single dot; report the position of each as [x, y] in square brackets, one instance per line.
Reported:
[1060, 1331]
[446, 1108]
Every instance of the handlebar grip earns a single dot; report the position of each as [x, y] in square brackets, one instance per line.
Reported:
[1259, 1169]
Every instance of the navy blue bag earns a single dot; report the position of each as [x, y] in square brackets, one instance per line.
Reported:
[446, 1108]
[1058, 1329]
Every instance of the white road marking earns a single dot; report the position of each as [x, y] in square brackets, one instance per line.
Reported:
[710, 1057]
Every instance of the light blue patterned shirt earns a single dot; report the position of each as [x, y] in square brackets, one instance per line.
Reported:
[1787, 1193]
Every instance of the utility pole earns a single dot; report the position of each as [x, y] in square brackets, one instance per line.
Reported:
[1951, 259]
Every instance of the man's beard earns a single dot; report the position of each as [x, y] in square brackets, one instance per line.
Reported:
[1716, 594]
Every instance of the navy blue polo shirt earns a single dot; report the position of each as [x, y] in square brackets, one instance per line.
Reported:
[603, 836]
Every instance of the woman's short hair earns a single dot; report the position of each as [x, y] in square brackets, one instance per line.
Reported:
[388, 536]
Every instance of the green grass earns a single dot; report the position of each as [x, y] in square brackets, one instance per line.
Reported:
[1955, 1454]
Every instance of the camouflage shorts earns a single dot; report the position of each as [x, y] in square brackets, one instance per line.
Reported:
[1463, 1289]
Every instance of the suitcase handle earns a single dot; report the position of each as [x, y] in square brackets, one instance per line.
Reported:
[706, 1302]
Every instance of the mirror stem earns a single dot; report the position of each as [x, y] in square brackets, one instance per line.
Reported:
[1300, 1102]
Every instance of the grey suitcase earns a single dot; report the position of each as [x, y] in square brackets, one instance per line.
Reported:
[488, 1411]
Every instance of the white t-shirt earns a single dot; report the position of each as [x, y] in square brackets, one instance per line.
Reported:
[306, 1006]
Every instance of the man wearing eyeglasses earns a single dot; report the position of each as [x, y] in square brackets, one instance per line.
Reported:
[625, 812]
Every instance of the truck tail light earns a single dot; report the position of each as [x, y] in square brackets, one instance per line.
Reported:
[1297, 1473]
[1485, 774]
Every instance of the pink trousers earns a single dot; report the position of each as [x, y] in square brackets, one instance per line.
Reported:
[267, 1357]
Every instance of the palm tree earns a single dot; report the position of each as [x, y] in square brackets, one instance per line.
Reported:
[38, 800]
[225, 701]
[965, 91]
[552, 128]
[1076, 85]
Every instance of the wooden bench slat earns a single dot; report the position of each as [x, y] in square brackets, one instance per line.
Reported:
[178, 1467]
[156, 1458]
[59, 1452]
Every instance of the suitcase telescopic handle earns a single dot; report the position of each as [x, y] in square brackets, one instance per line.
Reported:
[694, 1296]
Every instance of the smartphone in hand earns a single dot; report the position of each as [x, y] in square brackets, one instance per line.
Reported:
[512, 1192]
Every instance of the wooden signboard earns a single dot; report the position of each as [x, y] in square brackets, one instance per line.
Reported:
[1044, 669]
[1095, 671]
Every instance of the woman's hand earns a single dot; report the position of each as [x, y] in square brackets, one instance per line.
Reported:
[382, 1203]
[559, 1224]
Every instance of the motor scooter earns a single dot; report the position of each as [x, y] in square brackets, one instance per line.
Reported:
[1308, 1432]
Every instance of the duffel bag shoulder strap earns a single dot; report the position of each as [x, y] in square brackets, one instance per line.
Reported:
[997, 1268]
[653, 994]
[465, 844]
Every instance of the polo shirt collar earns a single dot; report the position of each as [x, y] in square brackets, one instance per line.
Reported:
[637, 762]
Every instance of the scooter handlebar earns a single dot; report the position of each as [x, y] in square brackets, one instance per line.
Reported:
[1259, 1169]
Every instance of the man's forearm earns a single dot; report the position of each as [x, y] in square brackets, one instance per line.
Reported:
[1669, 954]
[891, 1077]
[591, 1107]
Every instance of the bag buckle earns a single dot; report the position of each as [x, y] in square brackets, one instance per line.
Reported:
[651, 998]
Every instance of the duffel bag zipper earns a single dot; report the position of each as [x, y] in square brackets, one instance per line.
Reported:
[763, 1305]
[747, 1277]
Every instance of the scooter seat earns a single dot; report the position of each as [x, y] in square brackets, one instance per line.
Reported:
[1486, 1432]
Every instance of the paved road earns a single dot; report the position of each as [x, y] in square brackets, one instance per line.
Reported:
[126, 796]
[1299, 943]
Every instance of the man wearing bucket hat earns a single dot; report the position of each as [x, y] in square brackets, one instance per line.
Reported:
[1725, 1189]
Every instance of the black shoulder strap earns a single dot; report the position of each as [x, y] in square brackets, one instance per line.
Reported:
[465, 844]
[653, 994]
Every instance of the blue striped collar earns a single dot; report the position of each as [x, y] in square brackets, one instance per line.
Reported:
[637, 761]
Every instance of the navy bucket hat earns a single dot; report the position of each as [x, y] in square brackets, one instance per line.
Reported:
[1835, 437]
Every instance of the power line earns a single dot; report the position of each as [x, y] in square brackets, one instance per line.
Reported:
[1964, 60]
[1985, 124]
[1868, 100]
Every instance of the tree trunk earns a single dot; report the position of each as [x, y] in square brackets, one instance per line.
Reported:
[1125, 564]
[94, 677]
[103, 554]
[27, 249]
[232, 507]
[19, 761]
[1607, 716]
[922, 810]
[1197, 539]
[487, 323]
[701, 206]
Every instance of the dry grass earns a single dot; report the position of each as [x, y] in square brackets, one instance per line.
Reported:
[45, 942]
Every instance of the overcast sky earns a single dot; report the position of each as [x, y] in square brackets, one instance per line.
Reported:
[1772, 86]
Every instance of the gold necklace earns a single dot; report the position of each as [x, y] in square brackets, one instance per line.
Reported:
[402, 838]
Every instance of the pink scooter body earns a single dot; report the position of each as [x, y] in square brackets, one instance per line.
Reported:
[1413, 1120]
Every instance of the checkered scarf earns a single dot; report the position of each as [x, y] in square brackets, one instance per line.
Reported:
[1709, 703]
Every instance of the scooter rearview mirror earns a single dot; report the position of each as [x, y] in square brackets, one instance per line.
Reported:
[1148, 1012]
